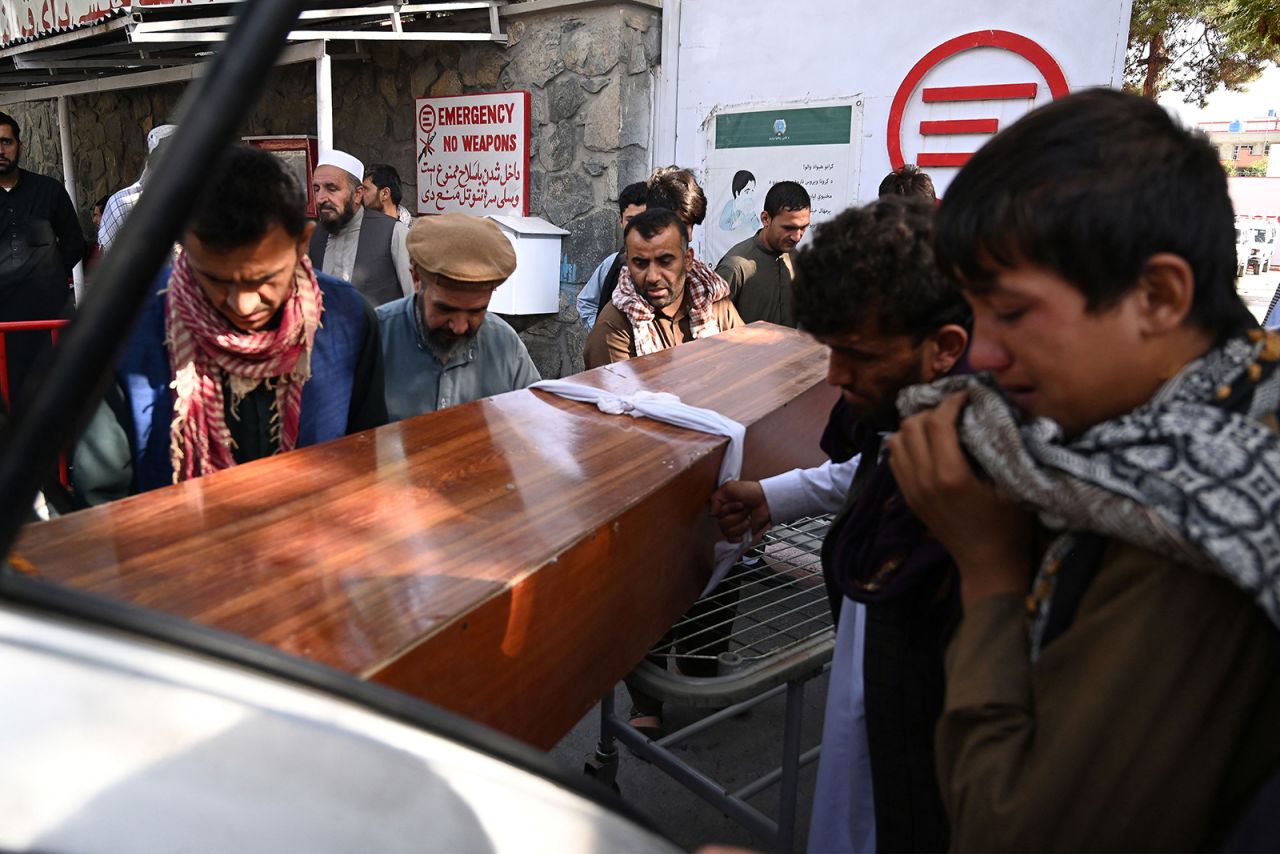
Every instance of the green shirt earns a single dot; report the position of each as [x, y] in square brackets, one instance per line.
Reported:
[759, 281]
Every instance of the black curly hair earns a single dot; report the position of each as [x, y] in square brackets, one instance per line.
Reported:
[632, 195]
[385, 177]
[654, 220]
[876, 261]
[786, 196]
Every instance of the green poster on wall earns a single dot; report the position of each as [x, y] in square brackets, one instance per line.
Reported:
[749, 151]
[811, 126]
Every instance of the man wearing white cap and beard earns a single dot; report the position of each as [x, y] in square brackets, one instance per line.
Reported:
[364, 246]
[123, 201]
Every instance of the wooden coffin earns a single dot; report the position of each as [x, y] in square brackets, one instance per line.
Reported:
[509, 559]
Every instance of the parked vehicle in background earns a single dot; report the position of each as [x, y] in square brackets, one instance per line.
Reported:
[1255, 244]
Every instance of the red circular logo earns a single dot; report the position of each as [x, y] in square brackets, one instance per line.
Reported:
[1021, 45]
[427, 118]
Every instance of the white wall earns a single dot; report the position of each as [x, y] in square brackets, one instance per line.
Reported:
[745, 53]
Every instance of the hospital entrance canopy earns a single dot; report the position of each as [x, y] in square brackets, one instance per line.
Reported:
[53, 48]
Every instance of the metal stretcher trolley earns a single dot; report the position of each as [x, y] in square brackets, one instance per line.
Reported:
[770, 630]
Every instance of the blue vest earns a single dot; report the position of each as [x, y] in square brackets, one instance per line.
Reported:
[143, 371]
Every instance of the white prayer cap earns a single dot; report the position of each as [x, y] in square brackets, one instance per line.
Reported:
[344, 161]
[158, 133]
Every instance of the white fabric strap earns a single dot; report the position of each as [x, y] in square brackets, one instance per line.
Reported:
[667, 408]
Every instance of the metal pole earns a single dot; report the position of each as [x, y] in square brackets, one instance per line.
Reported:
[758, 785]
[714, 718]
[790, 767]
[69, 179]
[324, 100]
[72, 385]
[698, 783]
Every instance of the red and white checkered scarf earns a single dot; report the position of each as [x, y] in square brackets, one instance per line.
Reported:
[205, 351]
[703, 287]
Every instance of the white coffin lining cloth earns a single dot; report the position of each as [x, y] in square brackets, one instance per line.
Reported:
[666, 407]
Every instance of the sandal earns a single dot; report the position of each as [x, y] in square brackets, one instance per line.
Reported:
[650, 726]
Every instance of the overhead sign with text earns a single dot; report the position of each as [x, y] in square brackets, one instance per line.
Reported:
[26, 19]
[473, 153]
[748, 152]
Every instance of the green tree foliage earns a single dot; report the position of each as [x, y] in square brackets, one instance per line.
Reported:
[1193, 46]
[1256, 170]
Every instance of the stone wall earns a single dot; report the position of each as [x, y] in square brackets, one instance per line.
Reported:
[590, 73]
[38, 123]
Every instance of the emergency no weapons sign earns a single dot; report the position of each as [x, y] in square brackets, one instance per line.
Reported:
[473, 153]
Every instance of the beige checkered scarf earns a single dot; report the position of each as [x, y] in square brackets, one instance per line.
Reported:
[703, 287]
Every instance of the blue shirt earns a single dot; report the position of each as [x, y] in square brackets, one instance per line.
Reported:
[493, 361]
[588, 301]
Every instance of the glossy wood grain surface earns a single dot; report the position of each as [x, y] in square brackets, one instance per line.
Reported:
[509, 559]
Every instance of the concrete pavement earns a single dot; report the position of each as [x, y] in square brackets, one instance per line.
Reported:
[1257, 290]
[733, 752]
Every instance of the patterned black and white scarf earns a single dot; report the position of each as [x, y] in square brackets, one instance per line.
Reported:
[1193, 474]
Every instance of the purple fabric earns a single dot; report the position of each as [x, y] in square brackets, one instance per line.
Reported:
[883, 553]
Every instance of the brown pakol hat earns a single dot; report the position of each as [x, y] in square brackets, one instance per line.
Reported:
[461, 247]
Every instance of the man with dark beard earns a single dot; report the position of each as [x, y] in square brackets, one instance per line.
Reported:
[666, 298]
[40, 243]
[441, 345]
[362, 245]
[868, 288]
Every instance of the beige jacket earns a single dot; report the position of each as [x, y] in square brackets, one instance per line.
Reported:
[612, 340]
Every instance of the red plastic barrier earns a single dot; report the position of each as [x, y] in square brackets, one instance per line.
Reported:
[50, 326]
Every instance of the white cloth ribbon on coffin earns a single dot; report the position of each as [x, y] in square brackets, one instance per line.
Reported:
[667, 408]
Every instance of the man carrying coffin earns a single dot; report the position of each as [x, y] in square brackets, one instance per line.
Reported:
[241, 351]
[442, 346]
[665, 301]
[868, 288]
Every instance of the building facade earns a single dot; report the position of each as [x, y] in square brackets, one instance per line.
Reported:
[1244, 146]
[589, 67]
